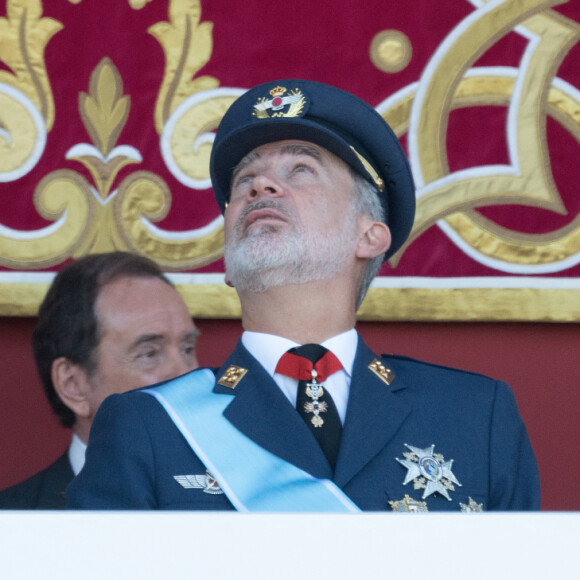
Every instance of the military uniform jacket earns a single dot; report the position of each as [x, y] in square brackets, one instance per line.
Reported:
[468, 423]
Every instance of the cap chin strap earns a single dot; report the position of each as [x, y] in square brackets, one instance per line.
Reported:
[370, 170]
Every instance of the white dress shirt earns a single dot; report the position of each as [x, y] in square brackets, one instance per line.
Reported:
[76, 453]
[268, 349]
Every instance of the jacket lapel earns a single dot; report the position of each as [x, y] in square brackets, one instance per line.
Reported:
[374, 414]
[56, 477]
[262, 412]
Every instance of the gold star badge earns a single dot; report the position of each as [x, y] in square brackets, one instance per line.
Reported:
[232, 376]
[386, 375]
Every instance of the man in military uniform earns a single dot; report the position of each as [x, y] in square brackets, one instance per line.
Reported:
[316, 192]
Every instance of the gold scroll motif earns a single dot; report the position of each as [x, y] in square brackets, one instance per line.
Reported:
[26, 101]
[98, 217]
[531, 182]
[25, 34]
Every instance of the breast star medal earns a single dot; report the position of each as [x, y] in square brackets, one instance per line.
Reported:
[428, 471]
[314, 390]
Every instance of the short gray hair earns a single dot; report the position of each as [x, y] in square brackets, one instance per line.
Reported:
[366, 201]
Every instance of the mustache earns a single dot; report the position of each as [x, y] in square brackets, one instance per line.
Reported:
[263, 204]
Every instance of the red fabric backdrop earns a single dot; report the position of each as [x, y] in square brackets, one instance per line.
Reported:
[227, 45]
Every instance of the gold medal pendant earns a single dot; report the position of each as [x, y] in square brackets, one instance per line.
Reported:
[317, 421]
[314, 390]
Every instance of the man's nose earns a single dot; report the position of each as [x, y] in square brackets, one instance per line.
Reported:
[264, 186]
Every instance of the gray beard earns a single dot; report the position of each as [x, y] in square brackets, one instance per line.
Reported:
[265, 258]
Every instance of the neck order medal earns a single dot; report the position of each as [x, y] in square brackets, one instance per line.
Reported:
[314, 390]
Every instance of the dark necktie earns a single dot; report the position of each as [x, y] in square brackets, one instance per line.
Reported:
[311, 364]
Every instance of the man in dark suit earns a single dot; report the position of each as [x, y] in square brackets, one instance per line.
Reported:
[316, 193]
[109, 323]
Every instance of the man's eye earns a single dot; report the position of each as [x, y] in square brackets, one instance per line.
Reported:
[242, 179]
[303, 168]
[147, 353]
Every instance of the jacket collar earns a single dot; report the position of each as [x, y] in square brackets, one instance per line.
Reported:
[262, 412]
[374, 414]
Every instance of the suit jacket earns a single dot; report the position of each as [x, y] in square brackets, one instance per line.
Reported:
[43, 491]
[136, 455]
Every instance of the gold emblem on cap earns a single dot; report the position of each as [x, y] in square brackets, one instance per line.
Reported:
[386, 375]
[232, 376]
[278, 91]
[281, 104]
[408, 504]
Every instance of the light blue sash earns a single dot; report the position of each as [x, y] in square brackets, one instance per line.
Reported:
[253, 479]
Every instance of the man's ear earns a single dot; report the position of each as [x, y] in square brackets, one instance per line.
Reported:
[374, 240]
[72, 386]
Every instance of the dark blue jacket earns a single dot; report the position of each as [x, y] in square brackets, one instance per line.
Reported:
[43, 491]
[136, 455]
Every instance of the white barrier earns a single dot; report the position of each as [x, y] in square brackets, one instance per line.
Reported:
[215, 546]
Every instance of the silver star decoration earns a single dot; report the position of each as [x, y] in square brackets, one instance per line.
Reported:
[430, 468]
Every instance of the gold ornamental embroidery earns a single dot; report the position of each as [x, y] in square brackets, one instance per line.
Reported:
[25, 35]
[107, 214]
[530, 92]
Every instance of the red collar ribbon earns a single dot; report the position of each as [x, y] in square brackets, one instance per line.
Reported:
[300, 368]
